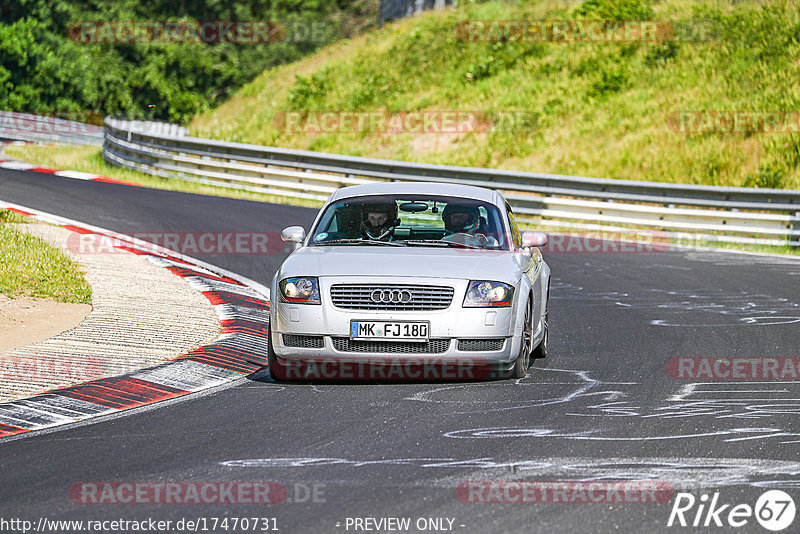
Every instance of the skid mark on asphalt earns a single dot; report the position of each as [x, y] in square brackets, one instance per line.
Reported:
[769, 402]
[689, 307]
[598, 435]
[682, 473]
[783, 265]
[732, 406]
[570, 391]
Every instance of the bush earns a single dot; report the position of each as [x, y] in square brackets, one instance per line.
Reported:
[307, 91]
[43, 71]
[767, 176]
[616, 9]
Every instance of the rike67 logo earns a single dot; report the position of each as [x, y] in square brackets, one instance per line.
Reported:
[774, 510]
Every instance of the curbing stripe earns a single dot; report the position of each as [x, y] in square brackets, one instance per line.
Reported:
[10, 430]
[242, 326]
[226, 297]
[17, 165]
[184, 272]
[186, 375]
[58, 404]
[75, 175]
[225, 358]
[121, 392]
[31, 418]
[205, 283]
[234, 312]
[241, 350]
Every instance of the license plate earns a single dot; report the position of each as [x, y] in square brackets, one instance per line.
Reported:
[389, 330]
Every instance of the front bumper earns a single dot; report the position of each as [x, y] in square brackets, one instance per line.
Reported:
[452, 330]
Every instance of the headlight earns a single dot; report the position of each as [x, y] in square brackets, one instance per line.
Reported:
[300, 290]
[483, 293]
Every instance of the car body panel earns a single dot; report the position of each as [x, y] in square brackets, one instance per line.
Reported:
[524, 269]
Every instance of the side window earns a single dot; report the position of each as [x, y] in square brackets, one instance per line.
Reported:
[515, 235]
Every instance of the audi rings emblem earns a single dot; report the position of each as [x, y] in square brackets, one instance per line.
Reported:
[391, 296]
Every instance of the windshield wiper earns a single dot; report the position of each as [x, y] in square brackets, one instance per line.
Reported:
[360, 242]
[439, 244]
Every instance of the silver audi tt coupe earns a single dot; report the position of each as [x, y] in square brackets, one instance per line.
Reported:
[416, 280]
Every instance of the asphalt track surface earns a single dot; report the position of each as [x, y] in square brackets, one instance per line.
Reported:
[601, 406]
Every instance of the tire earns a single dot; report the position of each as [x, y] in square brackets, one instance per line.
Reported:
[523, 361]
[541, 349]
[276, 370]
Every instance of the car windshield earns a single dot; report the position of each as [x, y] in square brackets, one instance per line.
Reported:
[404, 220]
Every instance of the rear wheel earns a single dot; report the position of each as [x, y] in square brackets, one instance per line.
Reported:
[276, 370]
[523, 361]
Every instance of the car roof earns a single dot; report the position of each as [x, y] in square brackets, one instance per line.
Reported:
[420, 188]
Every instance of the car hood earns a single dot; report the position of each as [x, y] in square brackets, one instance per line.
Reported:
[503, 266]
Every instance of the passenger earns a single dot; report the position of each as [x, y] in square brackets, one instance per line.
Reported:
[466, 226]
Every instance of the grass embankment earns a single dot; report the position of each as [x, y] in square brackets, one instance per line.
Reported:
[601, 108]
[33, 268]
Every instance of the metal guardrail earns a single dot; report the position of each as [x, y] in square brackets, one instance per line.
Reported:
[43, 129]
[397, 9]
[688, 212]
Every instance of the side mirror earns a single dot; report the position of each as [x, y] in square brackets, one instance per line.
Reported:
[534, 239]
[293, 234]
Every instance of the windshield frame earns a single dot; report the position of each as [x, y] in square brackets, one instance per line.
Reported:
[502, 233]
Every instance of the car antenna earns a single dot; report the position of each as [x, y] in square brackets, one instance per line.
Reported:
[435, 209]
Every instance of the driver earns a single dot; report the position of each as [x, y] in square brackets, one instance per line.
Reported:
[378, 221]
[466, 225]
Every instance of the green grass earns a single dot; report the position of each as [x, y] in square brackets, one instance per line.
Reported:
[90, 159]
[602, 108]
[8, 216]
[33, 268]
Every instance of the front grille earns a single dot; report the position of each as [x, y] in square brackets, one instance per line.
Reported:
[304, 342]
[434, 346]
[481, 345]
[359, 297]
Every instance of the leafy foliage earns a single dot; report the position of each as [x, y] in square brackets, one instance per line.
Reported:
[767, 176]
[43, 71]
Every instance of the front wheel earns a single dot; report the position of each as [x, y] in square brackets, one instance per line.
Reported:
[541, 349]
[523, 361]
